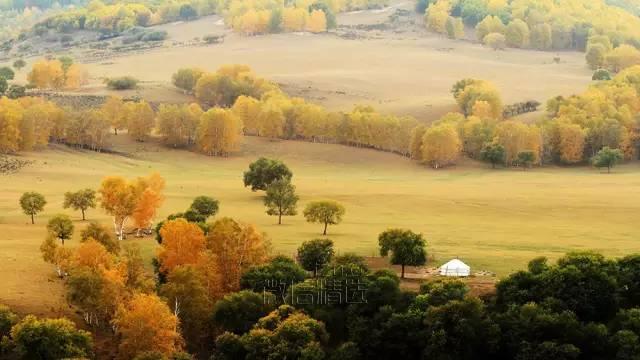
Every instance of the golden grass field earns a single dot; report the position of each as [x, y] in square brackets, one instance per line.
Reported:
[495, 220]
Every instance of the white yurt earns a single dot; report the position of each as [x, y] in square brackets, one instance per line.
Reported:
[455, 267]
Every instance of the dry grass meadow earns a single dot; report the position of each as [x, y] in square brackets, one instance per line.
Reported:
[495, 220]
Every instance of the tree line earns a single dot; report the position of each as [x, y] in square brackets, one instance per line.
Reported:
[239, 103]
[116, 17]
[543, 25]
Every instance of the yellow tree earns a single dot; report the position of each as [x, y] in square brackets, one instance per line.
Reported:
[10, 119]
[169, 124]
[317, 21]
[183, 243]
[93, 255]
[437, 15]
[140, 119]
[118, 199]
[517, 137]
[146, 208]
[46, 74]
[571, 143]
[490, 24]
[247, 109]
[219, 132]
[441, 145]
[294, 19]
[146, 324]
[114, 110]
[270, 120]
[235, 247]
[622, 57]
[75, 76]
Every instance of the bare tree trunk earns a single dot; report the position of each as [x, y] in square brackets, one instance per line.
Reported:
[32, 220]
[325, 229]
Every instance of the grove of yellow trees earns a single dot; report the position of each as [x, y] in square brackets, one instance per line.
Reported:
[52, 74]
[544, 25]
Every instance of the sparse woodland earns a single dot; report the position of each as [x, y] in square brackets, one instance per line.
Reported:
[213, 287]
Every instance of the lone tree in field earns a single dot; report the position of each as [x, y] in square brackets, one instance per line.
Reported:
[80, 200]
[19, 64]
[608, 158]
[263, 172]
[324, 212]
[406, 247]
[526, 159]
[493, 153]
[281, 199]
[32, 203]
[315, 254]
[61, 227]
[205, 207]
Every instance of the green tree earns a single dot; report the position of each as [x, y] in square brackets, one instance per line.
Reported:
[601, 75]
[187, 297]
[313, 255]
[6, 73]
[16, 91]
[7, 320]
[283, 334]
[263, 172]
[281, 199]
[280, 269]
[526, 159]
[493, 153]
[50, 339]
[188, 12]
[607, 157]
[80, 200]
[205, 206]
[186, 78]
[3, 85]
[102, 235]
[19, 64]
[32, 203]
[238, 312]
[406, 247]
[595, 56]
[324, 212]
[61, 227]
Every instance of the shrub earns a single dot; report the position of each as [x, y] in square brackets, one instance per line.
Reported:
[154, 36]
[601, 74]
[122, 83]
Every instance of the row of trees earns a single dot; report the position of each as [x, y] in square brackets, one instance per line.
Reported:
[541, 25]
[120, 16]
[269, 16]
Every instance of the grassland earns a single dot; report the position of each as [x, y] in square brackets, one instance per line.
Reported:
[495, 220]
